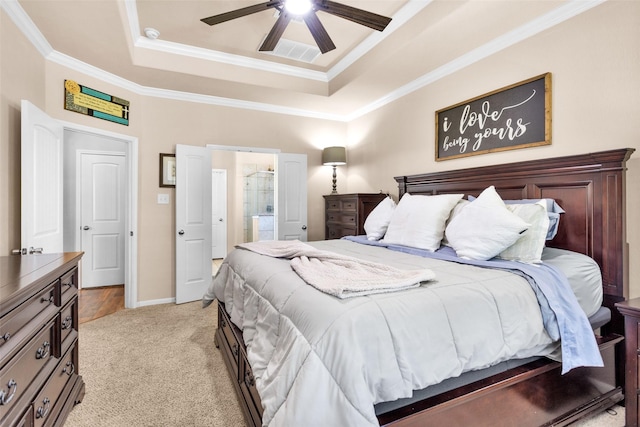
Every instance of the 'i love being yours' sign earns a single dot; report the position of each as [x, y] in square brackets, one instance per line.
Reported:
[513, 117]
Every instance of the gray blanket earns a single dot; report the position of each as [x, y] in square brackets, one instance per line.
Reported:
[324, 361]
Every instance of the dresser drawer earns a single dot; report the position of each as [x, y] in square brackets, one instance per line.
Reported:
[12, 324]
[341, 218]
[50, 393]
[337, 232]
[69, 285]
[349, 205]
[342, 204]
[68, 319]
[20, 372]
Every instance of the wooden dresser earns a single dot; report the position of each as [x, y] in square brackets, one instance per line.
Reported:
[39, 379]
[631, 312]
[345, 213]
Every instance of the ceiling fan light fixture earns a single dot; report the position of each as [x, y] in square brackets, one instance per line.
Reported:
[298, 7]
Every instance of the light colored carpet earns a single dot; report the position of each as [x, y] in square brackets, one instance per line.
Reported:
[158, 366]
[154, 366]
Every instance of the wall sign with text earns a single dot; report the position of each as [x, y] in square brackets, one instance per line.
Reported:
[91, 102]
[512, 117]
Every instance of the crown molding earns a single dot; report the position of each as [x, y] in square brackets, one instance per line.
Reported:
[76, 65]
[230, 59]
[27, 26]
[400, 18]
[544, 22]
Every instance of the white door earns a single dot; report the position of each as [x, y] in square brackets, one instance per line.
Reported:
[193, 222]
[41, 180]
[102, 201]
[218, 213]
[292, 196]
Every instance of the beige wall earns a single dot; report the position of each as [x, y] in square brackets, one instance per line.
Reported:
[159, 124]
[595, 64]
[593, 58]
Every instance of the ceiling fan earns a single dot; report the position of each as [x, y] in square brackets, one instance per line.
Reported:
[306, 9]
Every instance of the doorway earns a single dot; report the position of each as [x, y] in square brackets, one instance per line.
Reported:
[80, 140]
[59, 138]
[250, 193]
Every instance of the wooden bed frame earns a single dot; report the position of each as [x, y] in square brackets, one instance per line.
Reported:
[591, 189]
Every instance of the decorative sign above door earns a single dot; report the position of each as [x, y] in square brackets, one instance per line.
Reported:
[512, 117]
[90, 102]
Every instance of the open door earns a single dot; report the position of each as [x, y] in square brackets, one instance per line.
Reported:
[292, 196]
[193, 222]
[41, 180]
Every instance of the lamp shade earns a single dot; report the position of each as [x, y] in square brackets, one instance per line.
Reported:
[334, 156]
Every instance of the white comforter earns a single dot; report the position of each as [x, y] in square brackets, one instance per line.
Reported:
[323, 361]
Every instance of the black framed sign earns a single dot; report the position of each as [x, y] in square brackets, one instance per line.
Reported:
[512, 117]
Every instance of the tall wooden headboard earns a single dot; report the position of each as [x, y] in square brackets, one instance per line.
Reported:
[589, 187]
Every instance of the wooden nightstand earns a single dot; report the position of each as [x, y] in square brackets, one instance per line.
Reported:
[631, 312]
[345, 213]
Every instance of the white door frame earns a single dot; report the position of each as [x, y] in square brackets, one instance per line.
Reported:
[131, 222]
[223, 247]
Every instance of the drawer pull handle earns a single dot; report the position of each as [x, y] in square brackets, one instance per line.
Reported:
[43, 351]
[5, 337]
[234, 349]
[5, 397]
[67, 322]
[47, 299]
[69, 369]
[43, 410]
[249, 380]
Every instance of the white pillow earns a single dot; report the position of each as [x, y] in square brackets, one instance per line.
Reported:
[484, 228]
[419, 221]
[454, 212]
[528, 248]
[378, 220]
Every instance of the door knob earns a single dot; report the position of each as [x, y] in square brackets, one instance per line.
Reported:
[220, 220]
[304, 227]
[181, 232]
[86, 227]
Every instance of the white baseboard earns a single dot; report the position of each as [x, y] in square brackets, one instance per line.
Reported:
[155, 302]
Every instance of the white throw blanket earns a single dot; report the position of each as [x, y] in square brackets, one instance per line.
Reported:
[339, 275]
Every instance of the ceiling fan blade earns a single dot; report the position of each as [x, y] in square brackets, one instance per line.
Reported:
[319, 33]
[238, 13]
[360, 16]
[274, 35]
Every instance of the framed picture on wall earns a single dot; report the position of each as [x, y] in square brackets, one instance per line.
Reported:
[509, 118]
[167, 170]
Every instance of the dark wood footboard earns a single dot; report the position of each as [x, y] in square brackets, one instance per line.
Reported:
[535, 394]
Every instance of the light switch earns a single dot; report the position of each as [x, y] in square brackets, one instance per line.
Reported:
[163, 199]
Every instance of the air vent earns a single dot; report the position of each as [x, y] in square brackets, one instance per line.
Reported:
[296, 51]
